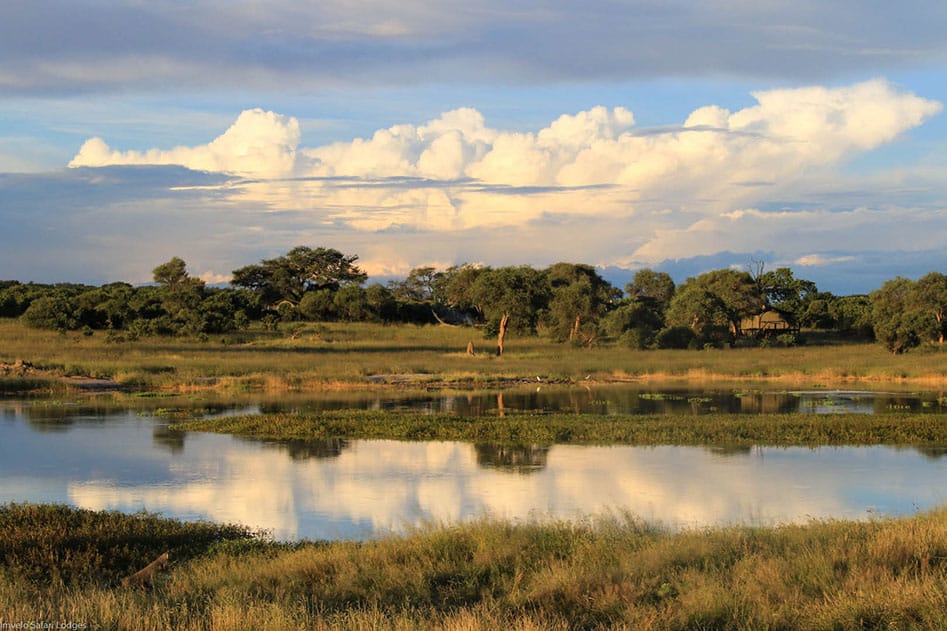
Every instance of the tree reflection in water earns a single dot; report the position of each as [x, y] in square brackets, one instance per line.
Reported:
[300, 450]
[522, 459]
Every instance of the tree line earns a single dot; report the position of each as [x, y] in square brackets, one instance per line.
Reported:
[569, 302]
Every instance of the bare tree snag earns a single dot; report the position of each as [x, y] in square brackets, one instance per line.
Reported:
[470, 348]
[574, 331]
[502, 334]
[439, 320]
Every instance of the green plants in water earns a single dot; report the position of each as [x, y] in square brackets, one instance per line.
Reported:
[557, 428]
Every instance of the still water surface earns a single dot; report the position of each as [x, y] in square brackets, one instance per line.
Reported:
[629, 400]
[129, 461]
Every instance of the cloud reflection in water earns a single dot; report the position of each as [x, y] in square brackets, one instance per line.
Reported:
[373, 487]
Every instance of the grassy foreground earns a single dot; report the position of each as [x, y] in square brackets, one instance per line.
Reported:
[708, 429]
[609, 573]
[318, 356]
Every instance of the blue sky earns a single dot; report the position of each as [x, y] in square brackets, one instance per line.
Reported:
[682, 136]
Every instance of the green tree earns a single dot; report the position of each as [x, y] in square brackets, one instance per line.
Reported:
[15, 298]
[381, 302]
[317, 305]
[931, 293]
[181, 296]
[423, 284]
[785, 292]
[635, 322]
[172, 273]
[851, 314]
[53, 311]
[898, 320]
[579, 298]
[720, 298]
[350, 304]
[510, 299]
[649, 285]
[223, 310]
[105, 307]
[458, 287]
[287, 278]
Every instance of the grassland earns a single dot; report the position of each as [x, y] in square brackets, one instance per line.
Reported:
[609, 573]
[323, 356]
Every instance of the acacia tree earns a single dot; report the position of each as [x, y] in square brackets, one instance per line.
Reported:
[287, 278]
[510, 299]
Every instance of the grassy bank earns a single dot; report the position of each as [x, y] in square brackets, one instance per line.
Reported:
[709, 429]
[321, 356]
[610, 573]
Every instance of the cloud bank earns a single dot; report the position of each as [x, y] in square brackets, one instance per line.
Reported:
[689, 190]
[786, 133]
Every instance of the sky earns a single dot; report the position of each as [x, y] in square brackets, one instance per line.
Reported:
[671, 134]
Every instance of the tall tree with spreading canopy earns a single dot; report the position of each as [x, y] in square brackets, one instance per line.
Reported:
[579, 298]
[932, 299]
[287, 278]
[785, 292]
[898, 320]
[651, 286]
[510, 299]
[718, 298]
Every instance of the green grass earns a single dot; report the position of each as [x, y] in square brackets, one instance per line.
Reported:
[709, 429]
[325, 355]
[608, 573]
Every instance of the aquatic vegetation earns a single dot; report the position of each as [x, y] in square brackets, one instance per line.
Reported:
[704, 429]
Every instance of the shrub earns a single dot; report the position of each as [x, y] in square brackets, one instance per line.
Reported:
[676, 337]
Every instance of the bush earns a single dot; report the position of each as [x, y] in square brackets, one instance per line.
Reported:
[676, 337]
[638, 338]
[786, 339]
[51, 312]
[715, 336]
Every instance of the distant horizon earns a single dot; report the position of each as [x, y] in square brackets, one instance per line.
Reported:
[617, 277]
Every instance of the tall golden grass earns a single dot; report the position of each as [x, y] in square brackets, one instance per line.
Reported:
[612, 572]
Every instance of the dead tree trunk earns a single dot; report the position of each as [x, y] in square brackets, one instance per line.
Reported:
[502, 334]
[574, 331]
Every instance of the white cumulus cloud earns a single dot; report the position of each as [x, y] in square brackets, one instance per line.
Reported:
[693, 189]
[259, 143]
